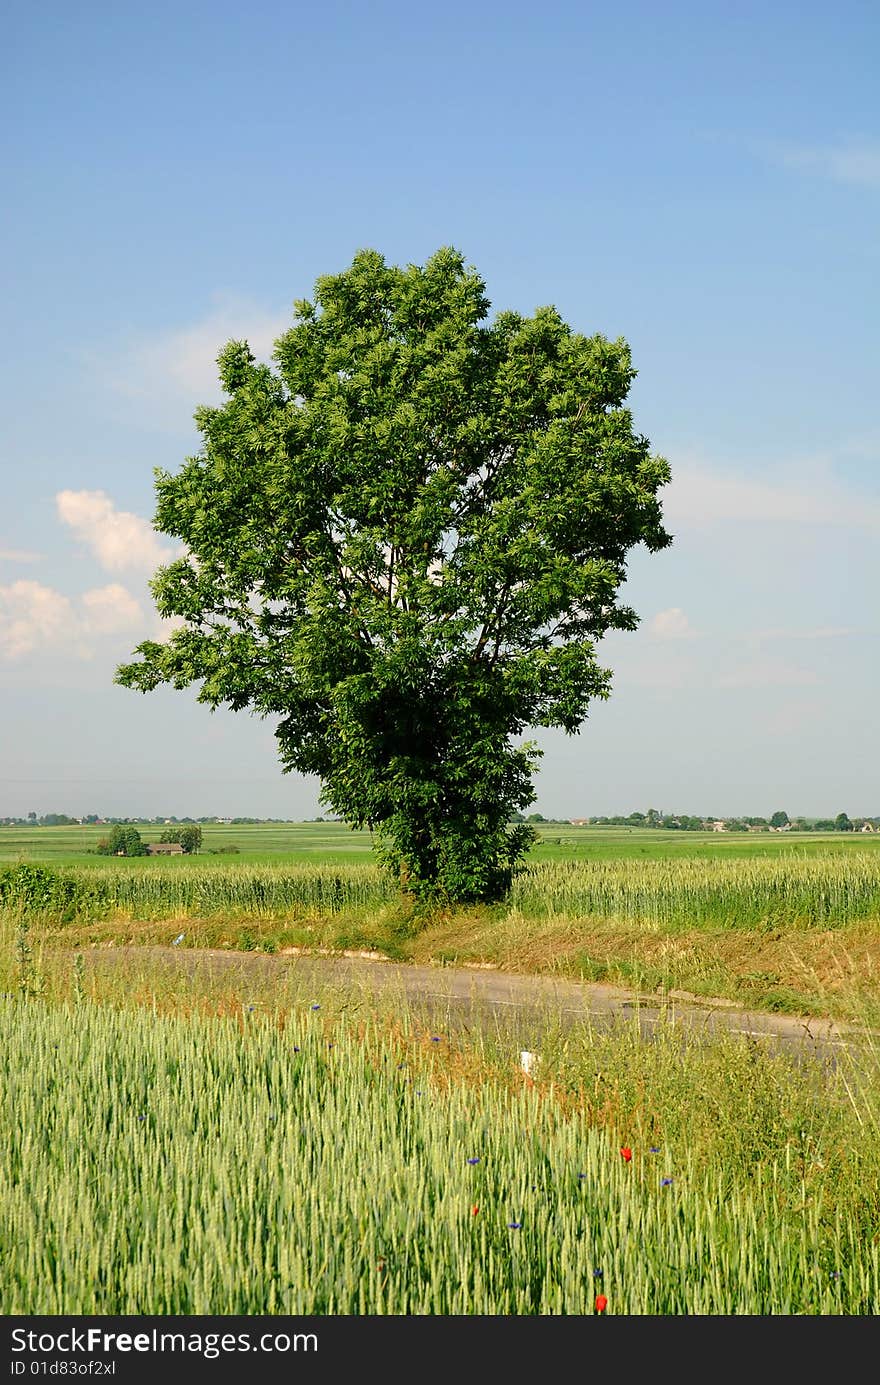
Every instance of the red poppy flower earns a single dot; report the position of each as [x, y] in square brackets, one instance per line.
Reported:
[474, 1210]
[626, 1153]
[601, 1303]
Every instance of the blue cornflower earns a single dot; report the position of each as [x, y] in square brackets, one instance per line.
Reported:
[295, 1049]
[582, 1175]
[251, 1007]
[316, 1007]
[665, 1182]
[514, 1225]
[598, 1274]
[435, 1038]
[475, 1160]
[655, 1149]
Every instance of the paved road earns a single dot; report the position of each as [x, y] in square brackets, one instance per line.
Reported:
[523, 1006]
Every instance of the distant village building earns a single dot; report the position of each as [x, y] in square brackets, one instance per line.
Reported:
[164, 849]
[719, 826]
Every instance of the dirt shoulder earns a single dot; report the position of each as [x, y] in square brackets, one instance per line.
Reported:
[480, 995]
[829, 973]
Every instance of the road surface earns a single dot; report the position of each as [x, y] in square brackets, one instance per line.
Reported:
[523, 1006]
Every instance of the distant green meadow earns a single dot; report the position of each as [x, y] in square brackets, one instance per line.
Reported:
[333, 842]
[262, 841]
[161, 1164]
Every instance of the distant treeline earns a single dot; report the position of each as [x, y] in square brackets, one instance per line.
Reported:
[679, 822]
[96, 820]
[683, 822]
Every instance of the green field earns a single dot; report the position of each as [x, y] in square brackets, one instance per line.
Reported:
[173, 1143]
[292, 1161]
[263, 841]
[786, 922]
[334, 842]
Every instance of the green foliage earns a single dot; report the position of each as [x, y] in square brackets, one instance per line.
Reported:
[189, 837]
[36, 889]
[403, 544]
[124, 840]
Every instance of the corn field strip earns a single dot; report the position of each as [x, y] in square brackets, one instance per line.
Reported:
[810, 890]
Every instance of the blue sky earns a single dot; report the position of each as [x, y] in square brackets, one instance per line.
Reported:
[701, 179]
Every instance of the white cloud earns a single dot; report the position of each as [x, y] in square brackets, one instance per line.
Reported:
[176, 369]
[19, 555]
[110, 610]
[699, 496]
[117, 538]
[856, 161]
[671, 625]
[32, 616]
[36, 619]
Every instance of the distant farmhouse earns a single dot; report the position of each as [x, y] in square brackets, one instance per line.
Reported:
[164, 849]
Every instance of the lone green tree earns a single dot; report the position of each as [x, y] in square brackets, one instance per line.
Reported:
[403, 542]
[124, 840]
[189, 837]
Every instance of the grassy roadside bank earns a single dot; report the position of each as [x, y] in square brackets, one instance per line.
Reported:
[832, 974]
[791, 932]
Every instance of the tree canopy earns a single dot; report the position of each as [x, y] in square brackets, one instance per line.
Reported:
[123, 841]
[403, 542]
[188, 836]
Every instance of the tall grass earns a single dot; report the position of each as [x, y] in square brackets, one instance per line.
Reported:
[155, 1164]
[149, 889]
[824, 890]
